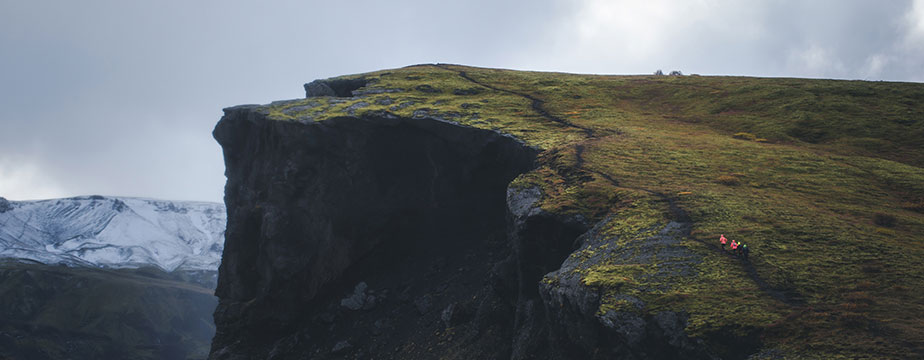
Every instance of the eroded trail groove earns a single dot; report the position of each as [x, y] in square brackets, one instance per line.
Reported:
[535, 103]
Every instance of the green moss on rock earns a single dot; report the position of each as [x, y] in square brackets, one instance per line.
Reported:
[633, 151]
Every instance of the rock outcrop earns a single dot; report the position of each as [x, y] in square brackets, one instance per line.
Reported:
[5, 205]
[579, 324]
[333, 88]
[414, 208]
[383, 236]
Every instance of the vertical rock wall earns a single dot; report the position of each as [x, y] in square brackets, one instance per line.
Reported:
[387, 237]
[311, 202]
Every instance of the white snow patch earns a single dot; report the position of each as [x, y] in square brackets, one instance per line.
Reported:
[115, 232]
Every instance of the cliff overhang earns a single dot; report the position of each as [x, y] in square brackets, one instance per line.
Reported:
[317, 207]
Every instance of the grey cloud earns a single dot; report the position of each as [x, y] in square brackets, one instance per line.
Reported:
[116, 97]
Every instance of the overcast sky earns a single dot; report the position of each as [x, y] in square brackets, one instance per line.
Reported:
[120, 97]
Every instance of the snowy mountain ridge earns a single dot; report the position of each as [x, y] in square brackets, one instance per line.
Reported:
[114, 232]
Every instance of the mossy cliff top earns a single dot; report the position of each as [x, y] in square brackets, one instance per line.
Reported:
[822, 179]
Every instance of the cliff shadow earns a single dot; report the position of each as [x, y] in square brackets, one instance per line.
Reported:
[363, 237]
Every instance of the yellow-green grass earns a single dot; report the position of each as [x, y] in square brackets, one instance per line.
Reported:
[826, 187]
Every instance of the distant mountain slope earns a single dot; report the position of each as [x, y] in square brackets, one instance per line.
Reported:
[62, 312]
[114, 232]
[108, 277]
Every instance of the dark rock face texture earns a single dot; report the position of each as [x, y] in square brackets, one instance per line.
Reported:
[578, 327]
[4, 205]
[351, 219]
[333, 88]
[540, 241]
[388, 237]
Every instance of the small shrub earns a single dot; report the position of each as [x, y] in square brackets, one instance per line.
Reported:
[866, 285]
[855, 320]
[885, 231]
[728, 180]
[673, 297]
[745, 136]
[914, 206]
[468, 91]
[860, 297]
[427, 88]
[809, 130]
[872, 269]
[884, 220]
[848, 306]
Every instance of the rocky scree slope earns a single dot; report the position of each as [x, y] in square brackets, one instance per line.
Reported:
[449, 211]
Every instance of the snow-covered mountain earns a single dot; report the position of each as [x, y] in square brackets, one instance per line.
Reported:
[116, 232]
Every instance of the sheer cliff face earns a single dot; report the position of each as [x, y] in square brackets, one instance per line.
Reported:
[402, 237]
[399, 237]
[409, 207]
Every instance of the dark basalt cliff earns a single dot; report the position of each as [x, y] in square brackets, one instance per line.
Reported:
[412, 208]
[442, 211]
[387, 237]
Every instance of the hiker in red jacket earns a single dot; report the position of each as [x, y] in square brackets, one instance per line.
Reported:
[734, 246]
[723, 240]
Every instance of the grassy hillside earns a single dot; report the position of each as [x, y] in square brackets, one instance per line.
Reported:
[822, 179]
[55, 312]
